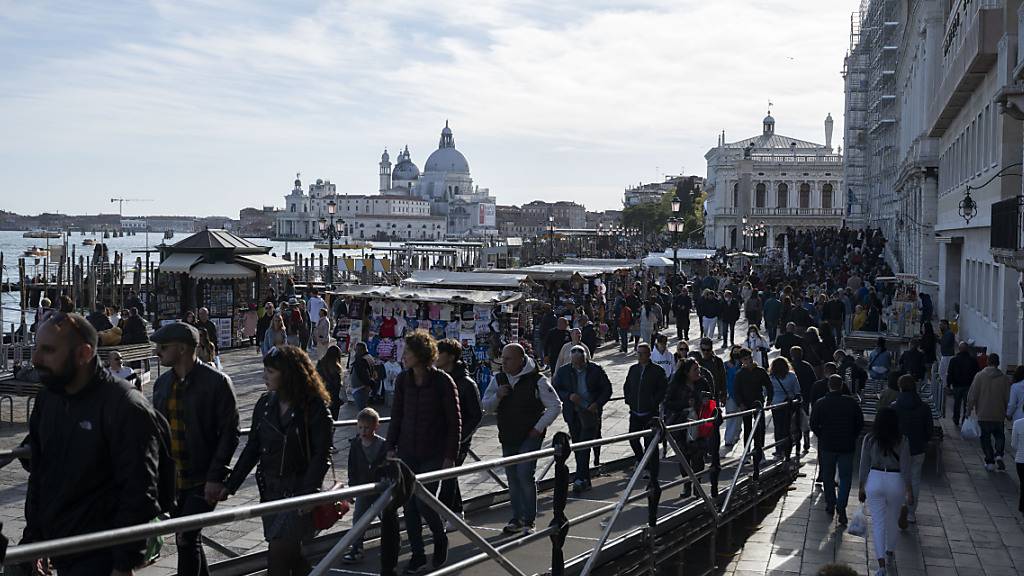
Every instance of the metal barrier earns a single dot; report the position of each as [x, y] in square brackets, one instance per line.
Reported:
[394, 475]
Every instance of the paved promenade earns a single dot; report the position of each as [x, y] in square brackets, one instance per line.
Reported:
[967, 520]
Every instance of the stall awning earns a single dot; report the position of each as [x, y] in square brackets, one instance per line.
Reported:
[221, 271]
[271, 263]
[178, 263]
[417, 294]
[467, 279]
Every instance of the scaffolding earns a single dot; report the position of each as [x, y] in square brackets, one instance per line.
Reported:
[871, 114]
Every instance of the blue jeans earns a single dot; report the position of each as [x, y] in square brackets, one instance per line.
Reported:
[829, 461]
[581, 429]
[522, 486]
[732, 426]
[990, 431]
[623, 339]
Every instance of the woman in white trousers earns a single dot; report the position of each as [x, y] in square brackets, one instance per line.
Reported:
[885, 483]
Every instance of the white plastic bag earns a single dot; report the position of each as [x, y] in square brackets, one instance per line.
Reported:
[858, 525]
[970, 430]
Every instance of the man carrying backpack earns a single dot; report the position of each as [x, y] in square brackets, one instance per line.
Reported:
[96, 445]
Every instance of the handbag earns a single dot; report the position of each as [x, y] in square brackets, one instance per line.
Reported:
[327, 514]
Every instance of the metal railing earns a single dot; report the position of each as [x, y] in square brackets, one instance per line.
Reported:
[395, 475]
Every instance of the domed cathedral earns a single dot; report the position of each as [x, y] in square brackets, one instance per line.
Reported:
[445, 183]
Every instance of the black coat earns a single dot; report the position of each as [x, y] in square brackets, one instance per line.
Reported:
[837, 421]
[211, 420]
[134, 331]
[751, 387]
[962, 369]
[590, 339]
[95, 457]
[915, 420]
[730, 310]
[291, 452]
[645, 388]
[804, 375]
[469, 401]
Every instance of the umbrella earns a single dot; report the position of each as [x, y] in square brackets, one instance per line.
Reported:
[654, 261]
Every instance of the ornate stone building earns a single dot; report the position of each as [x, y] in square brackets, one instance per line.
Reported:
[770, 182]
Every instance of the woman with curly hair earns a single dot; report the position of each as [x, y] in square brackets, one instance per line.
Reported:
[289, 445]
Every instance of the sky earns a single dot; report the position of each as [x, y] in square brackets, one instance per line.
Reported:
[207, 106]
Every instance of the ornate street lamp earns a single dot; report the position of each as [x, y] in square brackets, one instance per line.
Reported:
[331, 230]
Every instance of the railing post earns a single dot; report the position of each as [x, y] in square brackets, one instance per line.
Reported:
[716, 455]
[654, 469]
[559, 521]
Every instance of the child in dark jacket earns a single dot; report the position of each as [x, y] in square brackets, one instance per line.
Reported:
[366, 452]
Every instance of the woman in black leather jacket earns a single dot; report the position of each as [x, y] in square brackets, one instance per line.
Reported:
[289, 445]
[681, 404]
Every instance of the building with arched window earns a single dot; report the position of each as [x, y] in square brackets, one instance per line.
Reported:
[775, 179]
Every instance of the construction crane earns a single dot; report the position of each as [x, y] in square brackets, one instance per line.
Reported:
[121, 201]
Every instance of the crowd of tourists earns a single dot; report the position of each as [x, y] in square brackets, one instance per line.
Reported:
[138, 459]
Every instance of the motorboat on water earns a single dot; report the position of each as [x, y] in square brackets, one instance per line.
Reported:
[341, 243]
[36, 252]
[89, 242]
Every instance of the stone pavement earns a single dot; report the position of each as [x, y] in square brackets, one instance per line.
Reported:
[967, 525]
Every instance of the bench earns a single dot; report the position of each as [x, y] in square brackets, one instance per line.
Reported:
[11, 388]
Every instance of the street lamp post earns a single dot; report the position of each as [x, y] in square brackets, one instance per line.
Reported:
[675, 226]
[331, 230]
[551, 238]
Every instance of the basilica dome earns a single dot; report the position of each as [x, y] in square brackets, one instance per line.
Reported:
[446, 158]
[406, 170]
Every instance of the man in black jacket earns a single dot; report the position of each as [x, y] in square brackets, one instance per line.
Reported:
[804, 375]
[449, 359]
[751, 387]
[729, 316]
[95, 444]
[916, 427]
[553, 342]
[682, 304]
[837, 421]
[644, 390]
[912, 361]
[198, 402]
[584, 389]
[962, 369]
[787, 340]
[714, 365]
[99, 320]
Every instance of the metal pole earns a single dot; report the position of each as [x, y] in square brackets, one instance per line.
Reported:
[693, 477]
[652, 448]
[490, 472]
[430, 500]
[356, 531]
[746, 450]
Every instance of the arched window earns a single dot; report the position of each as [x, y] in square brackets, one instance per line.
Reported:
[826, 197]
[736, 194]
[782, 200]
[761, 195]
[805, 195]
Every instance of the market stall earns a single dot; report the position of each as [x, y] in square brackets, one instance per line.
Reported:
[227, 274]
[484, 321]
[901, 316]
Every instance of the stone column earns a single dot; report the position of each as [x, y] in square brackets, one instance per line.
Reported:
[929, 253]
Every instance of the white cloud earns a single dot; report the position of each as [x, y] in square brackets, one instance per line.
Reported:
[203, 96]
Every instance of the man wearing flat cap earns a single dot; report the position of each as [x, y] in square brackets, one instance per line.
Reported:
[199, 404]
[584, 389]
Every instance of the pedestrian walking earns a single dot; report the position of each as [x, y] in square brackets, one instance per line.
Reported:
[772, 315]
[710, 310]
[947, 349]
[275, 335]
[916, 426]
[526, 405]
[330, 371]
[289, 445]
[752, 387]
[575, 339]
[96, 445]
[885, 482]
[682, 305]
[583, 388]
[962, 369]
[199, 404]
[449, 359]
[757, 345]
[662, 356]
[1017, 441]
[806, 377]
[989, 395]
[730, 314]
[836, 421]
[321, 334]
[1015, 407]
[714, 365]
[787, 340]
[367, 451]
[424, 432]
[361, 376]
[785, 389]
[554, 340]
[644, 391]
[732, 368]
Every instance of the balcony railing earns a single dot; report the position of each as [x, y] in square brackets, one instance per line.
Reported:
[830, 212]
[1007, 220]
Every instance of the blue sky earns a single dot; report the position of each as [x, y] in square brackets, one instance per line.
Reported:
[210, 106]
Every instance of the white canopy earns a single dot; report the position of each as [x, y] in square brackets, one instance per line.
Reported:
[179, 263]
[221, 271]
[464, 279]
[655, 261]
[271, 263]
[417, 294]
